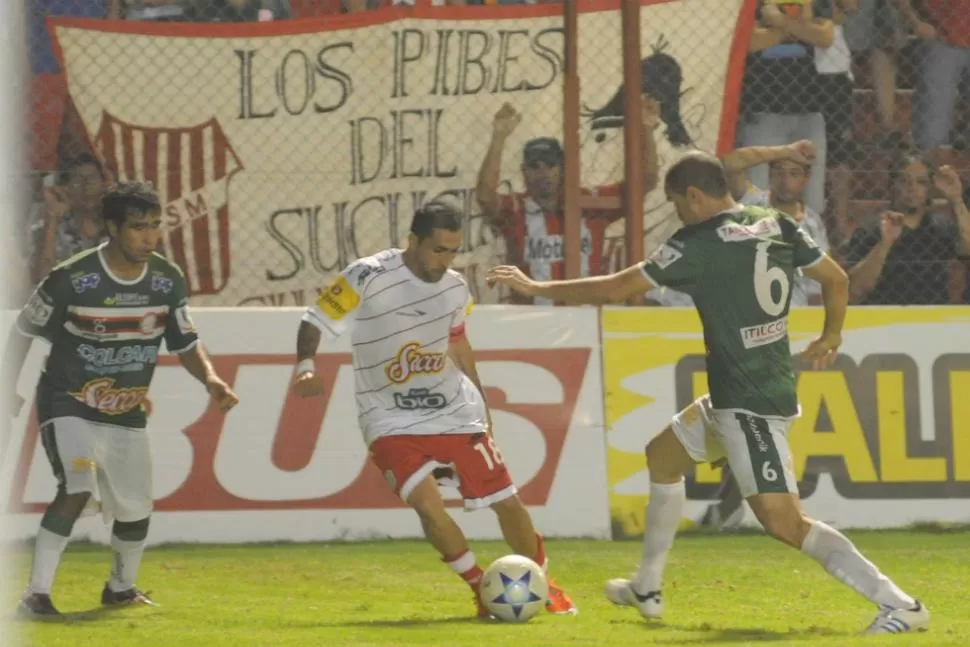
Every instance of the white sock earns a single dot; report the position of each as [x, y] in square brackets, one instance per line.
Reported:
[664, 511]
[125, 563]
[844, 562]
[47, 557]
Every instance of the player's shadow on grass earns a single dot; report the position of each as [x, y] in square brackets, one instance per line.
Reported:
[404, 623]
[76, 617]
[737, 634]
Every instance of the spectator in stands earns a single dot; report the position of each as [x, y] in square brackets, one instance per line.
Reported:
[531, 222]
[908, 256]
[835, 83]
[155, 10]
[236, 10]
[789, 175]
[780, 88]
[878, 29]
[70, 218]
[944, 62]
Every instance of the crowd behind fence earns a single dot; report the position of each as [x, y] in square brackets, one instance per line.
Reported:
[851, 115]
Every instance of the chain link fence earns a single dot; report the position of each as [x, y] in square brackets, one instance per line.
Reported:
[289, 137]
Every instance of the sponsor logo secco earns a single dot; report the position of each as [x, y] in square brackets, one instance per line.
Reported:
[410, 361]
[99, 394]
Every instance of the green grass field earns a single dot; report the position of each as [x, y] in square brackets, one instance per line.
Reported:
[721, 589]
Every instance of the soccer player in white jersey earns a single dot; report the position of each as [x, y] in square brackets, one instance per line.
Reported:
[420, 403]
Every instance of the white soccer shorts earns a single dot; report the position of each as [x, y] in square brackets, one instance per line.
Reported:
[756, 448]
[113, 463]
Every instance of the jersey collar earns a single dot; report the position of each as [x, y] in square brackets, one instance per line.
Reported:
[710, 223]
[111, 275]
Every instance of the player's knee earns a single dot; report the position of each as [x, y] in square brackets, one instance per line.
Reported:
[131, 530]
[789, 527]
[70, 506]
[426, 500]
[666, 458]
[509, 506]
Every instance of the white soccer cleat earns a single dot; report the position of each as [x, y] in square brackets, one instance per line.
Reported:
[897, 621]
[621, 592]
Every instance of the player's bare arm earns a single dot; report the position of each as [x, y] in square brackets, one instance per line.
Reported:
[835, 300]
[461, 353]
[307, 383]
[196, 361]
[595, 290]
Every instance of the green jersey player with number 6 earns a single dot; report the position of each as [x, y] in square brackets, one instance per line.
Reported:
[737, 263]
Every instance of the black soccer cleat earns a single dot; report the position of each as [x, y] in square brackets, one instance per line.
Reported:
[123, 598]
[38, 604]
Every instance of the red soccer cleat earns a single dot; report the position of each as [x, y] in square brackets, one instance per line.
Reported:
[558, 602]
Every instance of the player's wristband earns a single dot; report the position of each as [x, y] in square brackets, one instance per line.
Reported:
[306, 366]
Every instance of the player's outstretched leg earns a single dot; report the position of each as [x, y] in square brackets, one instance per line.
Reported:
[128, 545]
[783, 518]
[55, 531]
[521, 536]
[445, 535]
[667, 460]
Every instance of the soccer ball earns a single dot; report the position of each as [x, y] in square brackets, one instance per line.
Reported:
[514, 588]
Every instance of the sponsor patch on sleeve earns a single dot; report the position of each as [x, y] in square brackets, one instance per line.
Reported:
[37, 311]
[338, 300]
[665, 256]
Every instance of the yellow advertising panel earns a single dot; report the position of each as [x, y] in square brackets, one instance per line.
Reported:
[884, 435]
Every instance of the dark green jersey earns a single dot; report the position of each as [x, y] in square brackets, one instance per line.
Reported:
[105, 333]
[738, 268]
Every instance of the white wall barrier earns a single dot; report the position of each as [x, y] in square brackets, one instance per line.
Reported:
[884, 439]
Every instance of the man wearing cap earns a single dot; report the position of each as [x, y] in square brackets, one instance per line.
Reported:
[532, 222]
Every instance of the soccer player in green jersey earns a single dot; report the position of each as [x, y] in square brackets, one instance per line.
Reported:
[104, 312]
[737, 263]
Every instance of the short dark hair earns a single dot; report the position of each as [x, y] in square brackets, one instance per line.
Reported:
[84, 159]
[700, 170]
[436, 215]
[899, 164]
[898, 168]
[123, 197]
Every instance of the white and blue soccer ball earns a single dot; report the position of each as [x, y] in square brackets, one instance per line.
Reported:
[514, 588]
